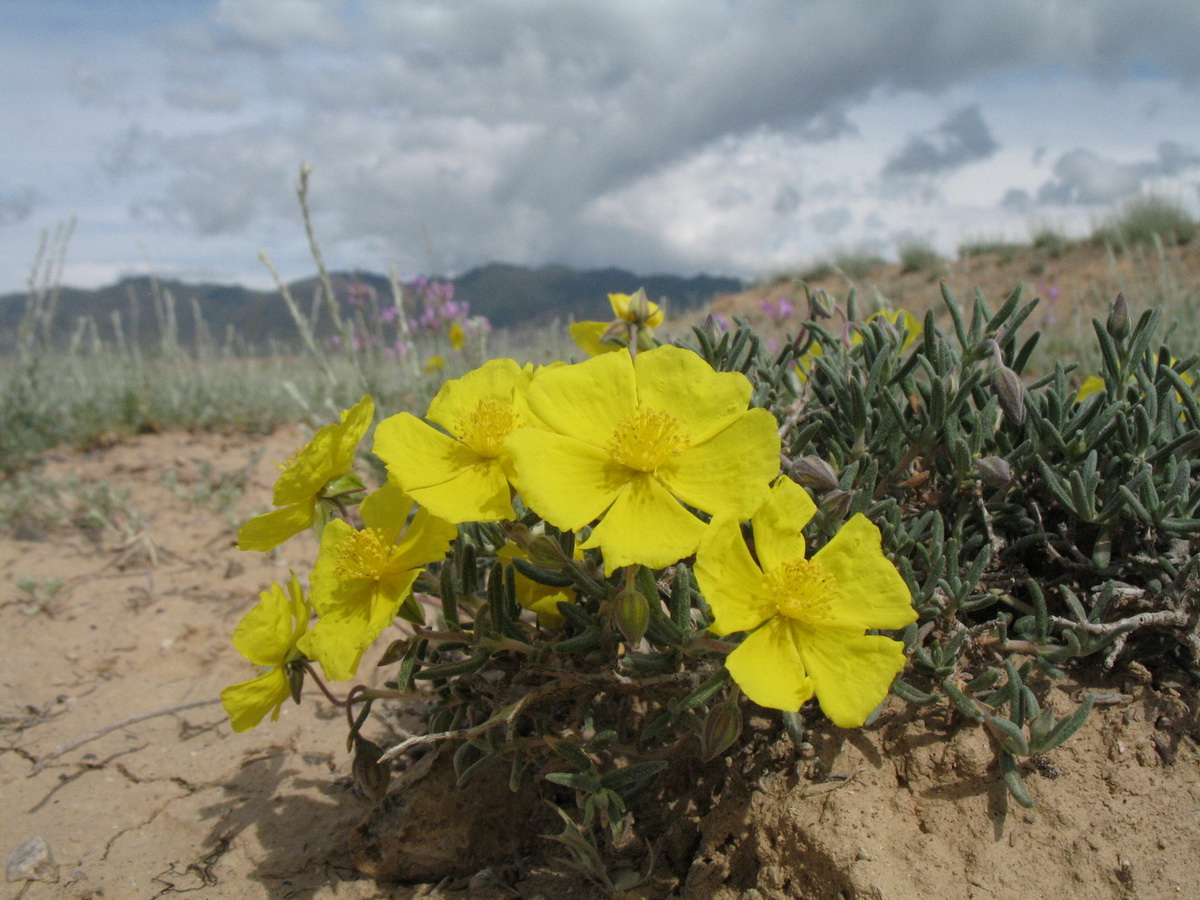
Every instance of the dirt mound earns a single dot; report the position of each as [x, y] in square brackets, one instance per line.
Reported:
[148, 596]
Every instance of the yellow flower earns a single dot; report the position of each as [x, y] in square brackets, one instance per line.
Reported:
[328, 457]
[457, 335]
[267, 636]
[628, 310]
[542, 599]
[434, 364]
[363, 578]
[630, 441]
[463, 475]
[808, 617]
[1094, 384]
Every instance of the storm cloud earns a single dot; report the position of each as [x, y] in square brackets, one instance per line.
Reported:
[682, 134]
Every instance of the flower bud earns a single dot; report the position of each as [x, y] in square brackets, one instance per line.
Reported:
[712, 328]
[1118, 318]
[994, 470]
[814, 472]
[545, 551]
[639, 307]
[517, 533]
[821, 304]
[631, 615]
[295, 678]
[837, 503]
[722, 727]
[1008, 388]
[370, 775]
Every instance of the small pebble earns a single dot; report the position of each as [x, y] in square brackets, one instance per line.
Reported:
[32, 861]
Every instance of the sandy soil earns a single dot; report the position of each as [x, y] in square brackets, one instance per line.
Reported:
[911, 808]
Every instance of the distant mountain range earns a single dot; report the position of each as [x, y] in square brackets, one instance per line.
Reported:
[509, 296]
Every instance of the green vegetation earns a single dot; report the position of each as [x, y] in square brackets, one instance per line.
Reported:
[918, 256]
[1146, 221]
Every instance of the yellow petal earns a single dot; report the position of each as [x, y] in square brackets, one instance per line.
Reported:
[567, 482]
[267, 632]
[419, 457]
[337, 646]
[330, 453]
[730, 472]
[645, 525]
[386, 508]
[768, 668]
[777, 523]
[587, 336]
[871, 593]
[426, 540]
[729, 579]
[478, 493]
[586, 401]
[680, 382]
[852, 671]
[496, 379]
[1093, 384]
[249, 701]
[309, 469]
[355, 422]
[272, 529]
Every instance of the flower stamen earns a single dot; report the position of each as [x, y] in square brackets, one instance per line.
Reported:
[366, 554]
[803, 589]
[647, 439]
[485, 427]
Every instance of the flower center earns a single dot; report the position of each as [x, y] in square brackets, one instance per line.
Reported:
[366, 554]
[802, 589]
[487, 425]
[647, 439]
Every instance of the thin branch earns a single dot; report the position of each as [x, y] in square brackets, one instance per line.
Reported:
[91, 736]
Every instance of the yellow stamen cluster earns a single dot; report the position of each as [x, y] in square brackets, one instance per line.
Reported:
[366, 554]
[647, 439]
[802, 589]
[487, 425]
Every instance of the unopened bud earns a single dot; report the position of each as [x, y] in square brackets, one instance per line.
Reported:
[814, 472]
[712, 328]
[821, 304]
[1011, 392]
[517, 533]
[722, 727]
[631, 615]
[639, 306]
[837, 503]
[994, 470]
[295, 678]
[1119, 320]
[370, 775]
[545, 551]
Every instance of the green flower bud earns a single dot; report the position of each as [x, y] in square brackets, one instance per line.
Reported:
[631, 615]
[722, 727]
[821, 304]
[994, 470]
[370, 775]
[1119, 321]
[545, 551]
[1008, 388]
[814, 472]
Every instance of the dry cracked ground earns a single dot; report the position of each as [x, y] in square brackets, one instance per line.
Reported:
[148, 593]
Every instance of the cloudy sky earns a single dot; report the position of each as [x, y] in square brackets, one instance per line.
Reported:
[727, 136]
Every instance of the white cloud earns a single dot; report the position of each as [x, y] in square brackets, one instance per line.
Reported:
[692, 134]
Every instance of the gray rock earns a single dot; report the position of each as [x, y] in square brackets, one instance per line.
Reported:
[32, 861]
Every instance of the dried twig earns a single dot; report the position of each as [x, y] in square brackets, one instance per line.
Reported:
[91, 736]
